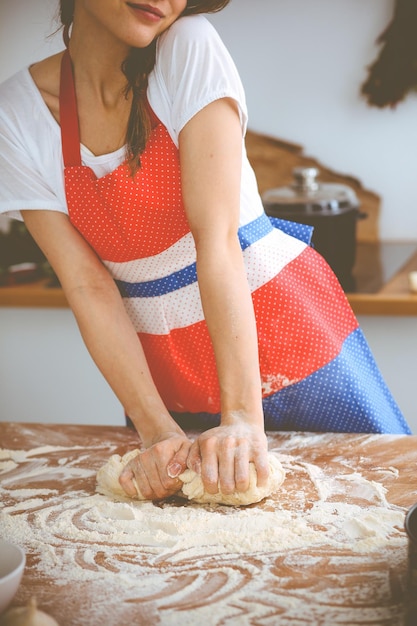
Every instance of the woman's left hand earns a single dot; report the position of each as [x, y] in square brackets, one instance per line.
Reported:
[157, 468]
[222, 456]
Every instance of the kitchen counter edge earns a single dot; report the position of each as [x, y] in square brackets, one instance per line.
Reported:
[393, 299]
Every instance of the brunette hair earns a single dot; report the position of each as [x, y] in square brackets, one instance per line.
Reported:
[137, 67]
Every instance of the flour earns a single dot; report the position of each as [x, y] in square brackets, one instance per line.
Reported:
[179, 551]
[7, 465]
[353, 484]
[22, 455]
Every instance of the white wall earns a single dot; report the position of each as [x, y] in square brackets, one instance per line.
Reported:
[302, 63]
[46, 373]
[26, 27]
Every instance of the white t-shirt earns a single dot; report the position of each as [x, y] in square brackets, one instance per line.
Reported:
[192, 69]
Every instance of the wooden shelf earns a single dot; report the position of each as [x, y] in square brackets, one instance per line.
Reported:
[391, 297]
[36, 294]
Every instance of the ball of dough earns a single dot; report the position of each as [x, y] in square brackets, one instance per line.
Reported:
[108, 476]
[193, 487]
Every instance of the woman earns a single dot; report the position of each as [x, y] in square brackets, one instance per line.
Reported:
[191, 303]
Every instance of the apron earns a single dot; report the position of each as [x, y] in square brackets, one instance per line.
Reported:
[316, 368]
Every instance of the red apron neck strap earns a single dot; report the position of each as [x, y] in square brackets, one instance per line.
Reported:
[70, 133]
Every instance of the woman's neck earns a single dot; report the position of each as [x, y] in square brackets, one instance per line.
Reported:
[100, 85]
[98, 68]
[103, 106]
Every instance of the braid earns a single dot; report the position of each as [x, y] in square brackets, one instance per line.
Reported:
[66, 12]
[137, 68]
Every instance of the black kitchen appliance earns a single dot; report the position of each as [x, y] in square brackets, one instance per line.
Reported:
[333, 210]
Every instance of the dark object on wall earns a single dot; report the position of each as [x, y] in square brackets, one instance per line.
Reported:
[394, 74]
[333, 210]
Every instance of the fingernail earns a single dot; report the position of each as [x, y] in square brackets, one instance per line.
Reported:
[174, 470]
[197, 467]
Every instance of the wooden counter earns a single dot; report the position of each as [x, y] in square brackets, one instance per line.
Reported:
[334, 550]
[384, 291]
[376, 294]
[36, 294]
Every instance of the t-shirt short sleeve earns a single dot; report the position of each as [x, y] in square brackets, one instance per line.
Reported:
[193, 68]
[30, 167]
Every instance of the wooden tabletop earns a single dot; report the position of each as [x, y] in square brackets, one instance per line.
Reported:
[334, 550]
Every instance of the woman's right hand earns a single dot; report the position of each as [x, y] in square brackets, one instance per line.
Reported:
[156, 470]
[222, 455]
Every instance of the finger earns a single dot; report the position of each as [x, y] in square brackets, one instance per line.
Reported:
[126, 482]
[242, 467]
[146, 474]
[210, 466]
[166, 485]
[131, 478]
[227, 455]
[156, 473]
[262, 469]
[178, 463]
[194, 458]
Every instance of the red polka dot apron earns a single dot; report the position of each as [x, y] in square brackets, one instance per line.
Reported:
[316, 368]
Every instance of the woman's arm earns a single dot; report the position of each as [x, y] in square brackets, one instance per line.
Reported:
[211, 160]
[113, 345]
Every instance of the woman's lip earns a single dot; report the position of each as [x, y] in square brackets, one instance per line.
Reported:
[146, 8]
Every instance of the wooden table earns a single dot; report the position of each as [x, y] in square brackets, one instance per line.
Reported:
[340, 490]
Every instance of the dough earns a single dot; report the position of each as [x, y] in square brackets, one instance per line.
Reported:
[192, 488]
[108, 476]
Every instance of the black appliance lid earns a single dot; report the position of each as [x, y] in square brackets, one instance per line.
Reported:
[306, 194]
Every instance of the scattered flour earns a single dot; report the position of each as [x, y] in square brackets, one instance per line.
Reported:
[228, 557]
